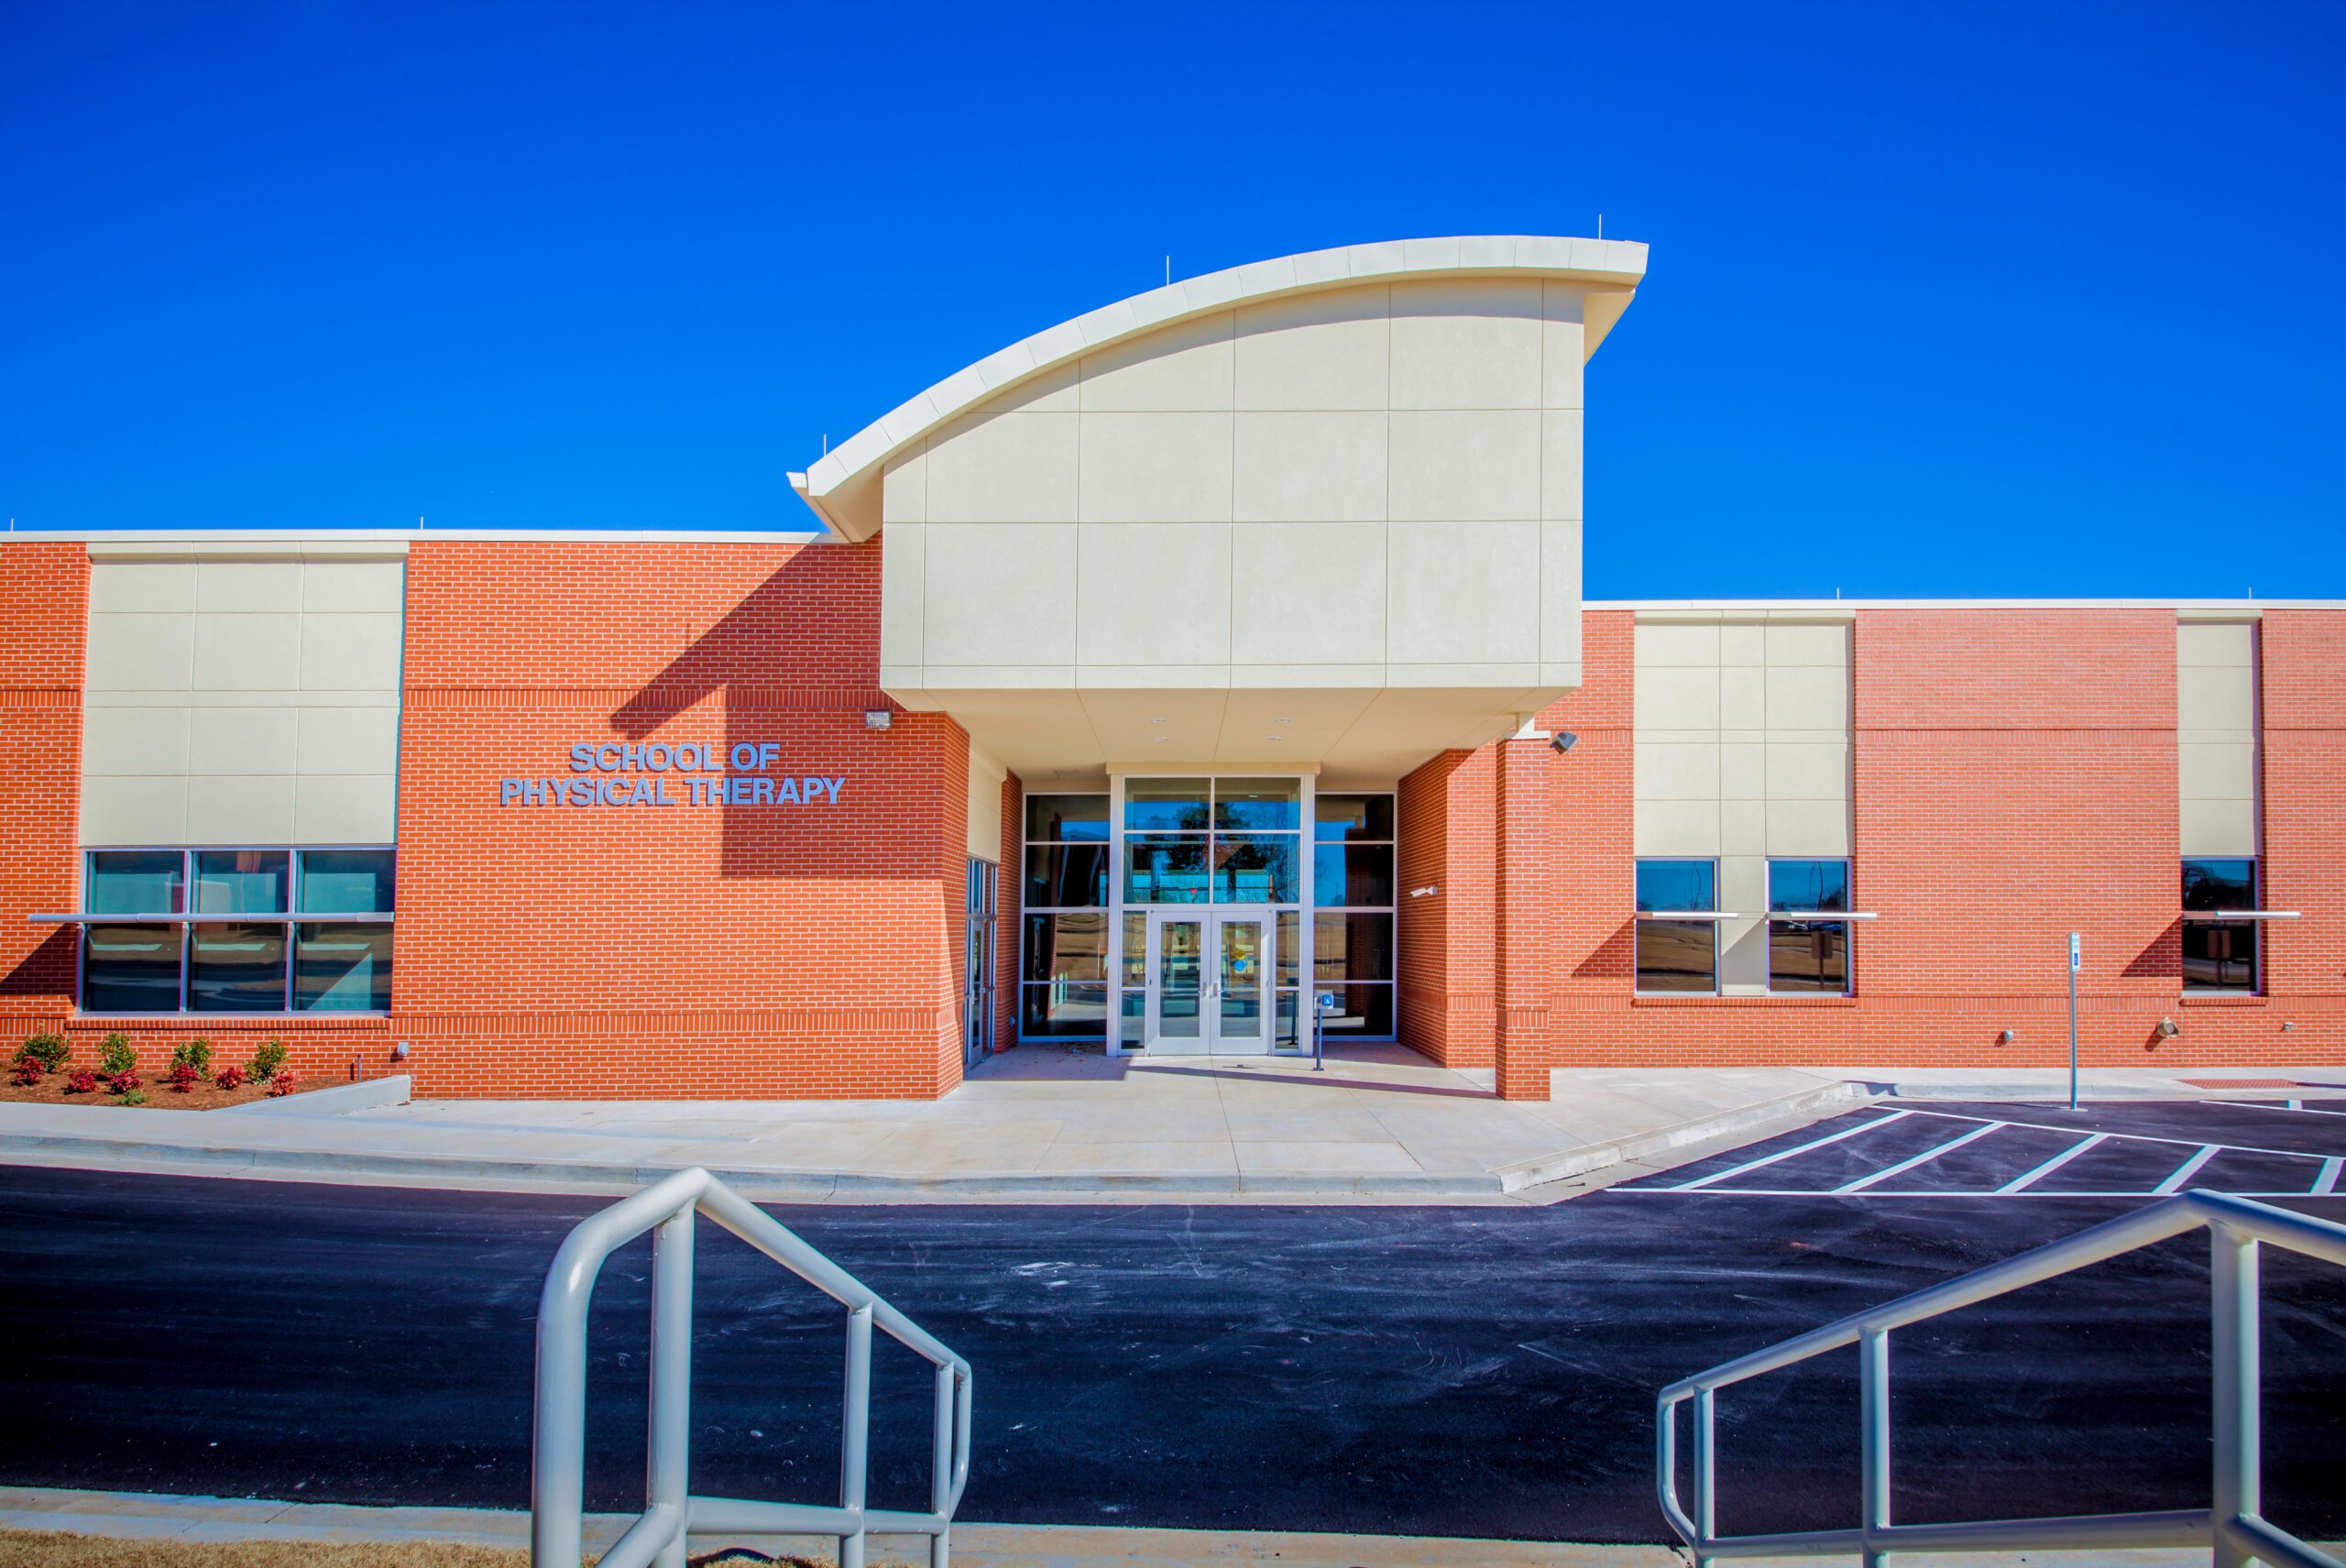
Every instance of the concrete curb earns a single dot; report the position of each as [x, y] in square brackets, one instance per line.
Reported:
[368, 1095]
[1827, 1100]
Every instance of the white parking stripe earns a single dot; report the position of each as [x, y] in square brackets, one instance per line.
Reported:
[2328, 1180]
[2298, 1107]
[2022, 1183]
[1972, 1195]
[1903, 1166]
[1771, 1159]
[2131, 1137]
[2186, 1171]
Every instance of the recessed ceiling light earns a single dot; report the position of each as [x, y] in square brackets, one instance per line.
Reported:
[1282, 720]
[1156, 721]
[1274, 737]
[1159, 740]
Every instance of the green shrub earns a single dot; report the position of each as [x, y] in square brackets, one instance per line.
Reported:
[136, 1097]
[267, 1061]
[195, 1053]
[46, 1050]
[115, 1056]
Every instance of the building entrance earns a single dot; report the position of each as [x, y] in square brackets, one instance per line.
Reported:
[1209, 980]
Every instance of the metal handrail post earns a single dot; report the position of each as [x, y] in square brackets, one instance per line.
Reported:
[856, 1430]
[1873, 1439]
[2238, 1490]
[668, 1467]
[1705, 1492]
[940, 1461]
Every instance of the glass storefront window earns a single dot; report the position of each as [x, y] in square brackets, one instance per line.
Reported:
[1677, 884]
[266, 959]
[238, 968]
[1164, 869]
[1808, 955]
[342, 968]
[1067, 876]
[1340, 818]
[1360, 1010]
[1257, 805]
[131, 969]
[1062, 1012]
[347, 881]
[1067, 818]
[2219, 955]
[241, 882]
[1255, 868]
[1803, 885]
[1346, 876]
[136, 882]
[1067, 947]
[1352, 948]
[1166, 806]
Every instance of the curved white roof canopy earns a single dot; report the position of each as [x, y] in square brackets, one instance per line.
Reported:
[844, 488]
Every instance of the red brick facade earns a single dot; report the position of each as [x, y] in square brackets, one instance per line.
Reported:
[2014, 778]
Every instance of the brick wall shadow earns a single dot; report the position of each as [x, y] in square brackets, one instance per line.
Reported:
[46, 972]
[795, 664]
[1611, 958]
[2161, 959]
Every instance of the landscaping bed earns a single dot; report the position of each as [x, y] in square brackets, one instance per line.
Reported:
[44, 1072]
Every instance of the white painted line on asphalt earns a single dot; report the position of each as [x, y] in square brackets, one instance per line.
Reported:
[2328, 1180]
[2133, 1137]
[2298, 1107]
[2022, 1183]
[1771, 1159]
[1903, 1166]
[2186, 1171]
[1915, 1192]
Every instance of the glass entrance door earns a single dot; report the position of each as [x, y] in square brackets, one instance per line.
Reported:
[1209, 979]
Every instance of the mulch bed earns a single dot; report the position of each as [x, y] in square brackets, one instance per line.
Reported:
[160, 1096]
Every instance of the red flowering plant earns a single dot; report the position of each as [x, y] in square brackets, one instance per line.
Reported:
[27, 1072]
[125, 1081]
[229, 1077]
[281, 1085]
[183, 1076]
[81, 1082]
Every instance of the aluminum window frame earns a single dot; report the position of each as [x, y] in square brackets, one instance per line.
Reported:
[1111, 847]
[1308, 916]
[1846, 918]
[288, 920]
[1710, 918]
[2190, 917]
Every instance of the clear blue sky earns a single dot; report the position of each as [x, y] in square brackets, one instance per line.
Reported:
[1943, 298]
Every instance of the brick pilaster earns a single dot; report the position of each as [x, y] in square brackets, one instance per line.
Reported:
[1523, 940]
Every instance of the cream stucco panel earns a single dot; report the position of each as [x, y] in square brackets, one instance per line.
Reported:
[1746, 723]
[2216, 763]
[986, 777]
[1354, 471]
[222, 690]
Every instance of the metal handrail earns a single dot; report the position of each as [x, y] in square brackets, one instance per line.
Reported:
[557, 1482]
[2233, 1527]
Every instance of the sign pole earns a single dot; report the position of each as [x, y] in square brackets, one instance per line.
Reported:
[2076, 954]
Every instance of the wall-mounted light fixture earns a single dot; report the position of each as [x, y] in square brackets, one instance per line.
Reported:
[878, 718]
[1422, 892]
[2168, 1028]
[2005, 1039]
[1562, 740]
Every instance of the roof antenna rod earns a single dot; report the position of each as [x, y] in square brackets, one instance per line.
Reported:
[1168, 272]
[1600, 225]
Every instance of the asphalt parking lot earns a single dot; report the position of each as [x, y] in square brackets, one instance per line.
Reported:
[1446, 1371]
[2275, 1149]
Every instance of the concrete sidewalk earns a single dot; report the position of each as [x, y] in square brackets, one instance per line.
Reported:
[1056, 1124]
